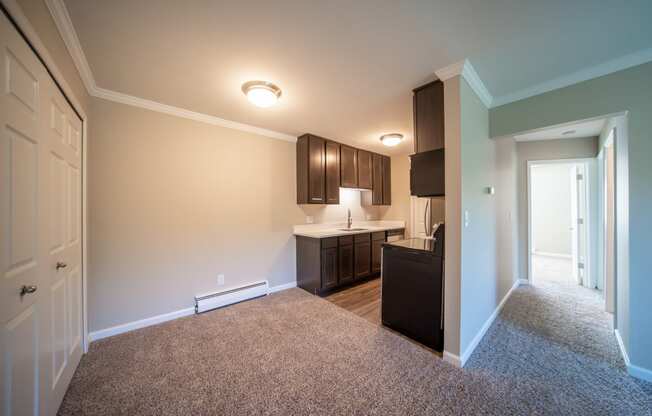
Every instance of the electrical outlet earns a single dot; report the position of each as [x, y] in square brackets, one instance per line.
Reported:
[369, 217]
[466, 218]
[309, 219]
[220, 280]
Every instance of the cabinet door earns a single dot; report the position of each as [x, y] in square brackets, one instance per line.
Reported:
[376, 253]
[316, 170]
[387, 181]
[329, 268]
[364, 170]
[362, 254]
[429, 117]
[377, 191]
[332, 173]
[346, 263]
[349, 167]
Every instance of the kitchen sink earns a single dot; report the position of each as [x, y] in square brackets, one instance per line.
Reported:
[353, 229]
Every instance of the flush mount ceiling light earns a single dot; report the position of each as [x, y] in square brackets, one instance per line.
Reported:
[391, 139]
[261, 93]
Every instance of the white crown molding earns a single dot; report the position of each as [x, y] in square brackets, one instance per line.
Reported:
[183, 113]
[62, 20]
[605, 68]
[466, 70]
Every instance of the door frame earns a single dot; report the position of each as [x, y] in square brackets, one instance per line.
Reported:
[588, 219]
[16, 16]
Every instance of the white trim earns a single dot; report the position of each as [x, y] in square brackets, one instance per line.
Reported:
[605, 68]
[284, 286]
[523, 282]
[466, 70]
[62, 20]
[621, 345]
[191, 115]
[481, 333]
[21, 20]
[556, 255]
[61, 17]
[154, 320]
[639, 372]
[142, 323]
[528, 179]
[452, 359]
[632, 370]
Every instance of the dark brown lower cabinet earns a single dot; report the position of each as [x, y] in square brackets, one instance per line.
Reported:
[362, 254]
[329, 268]
[346, 262]
[377, 240]
[325, 264]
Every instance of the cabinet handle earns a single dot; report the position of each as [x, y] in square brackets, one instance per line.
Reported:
[61, 265]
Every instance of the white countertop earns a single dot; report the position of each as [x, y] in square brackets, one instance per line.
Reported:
[335, 229]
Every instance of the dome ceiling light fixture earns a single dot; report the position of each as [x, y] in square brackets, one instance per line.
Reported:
[261, 93]
[391, 139]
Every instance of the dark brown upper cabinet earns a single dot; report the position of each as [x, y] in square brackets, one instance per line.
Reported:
[332, 172]
[323, 166]
[365, 173]
[348, 167]
[311, 170]
[381, 193]
[377, 169]
[429, 117]
[387, 181]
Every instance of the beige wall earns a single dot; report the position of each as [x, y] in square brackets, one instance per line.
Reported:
[349, 199]
[173, 203]
[453, 210]
[400, 208]
[542, 150]
[39, 17]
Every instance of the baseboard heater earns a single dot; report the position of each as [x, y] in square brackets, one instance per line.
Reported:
[215, 300]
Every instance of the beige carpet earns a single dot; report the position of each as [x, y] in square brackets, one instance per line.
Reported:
[295, 354]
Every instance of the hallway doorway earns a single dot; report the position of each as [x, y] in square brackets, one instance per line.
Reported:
[560, 214]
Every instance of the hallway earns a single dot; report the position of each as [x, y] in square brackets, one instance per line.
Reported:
[555, 342]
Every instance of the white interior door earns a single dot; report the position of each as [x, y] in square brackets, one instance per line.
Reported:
[63, 167]
[574, 220]
[22, 152]
[40, 225]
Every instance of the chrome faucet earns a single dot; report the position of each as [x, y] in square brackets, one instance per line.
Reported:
[349, 220]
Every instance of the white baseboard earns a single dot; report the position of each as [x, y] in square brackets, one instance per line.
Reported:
[523, 282]
[632, 370]
[478, 337]
[285, 286]
[142, 323]
[452, 359]
[639, 372]
[548, 254]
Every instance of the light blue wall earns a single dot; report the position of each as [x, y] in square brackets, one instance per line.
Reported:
[629, 90]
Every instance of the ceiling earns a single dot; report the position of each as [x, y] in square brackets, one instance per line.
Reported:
[588, 128]
[346, 68]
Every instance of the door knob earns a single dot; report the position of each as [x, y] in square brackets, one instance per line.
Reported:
[61, 265]
[25, 290]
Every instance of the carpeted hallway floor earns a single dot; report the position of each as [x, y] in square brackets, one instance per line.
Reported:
[291, 353]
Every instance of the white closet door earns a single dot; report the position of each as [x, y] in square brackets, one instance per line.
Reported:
[40, 225]
[63, 135]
